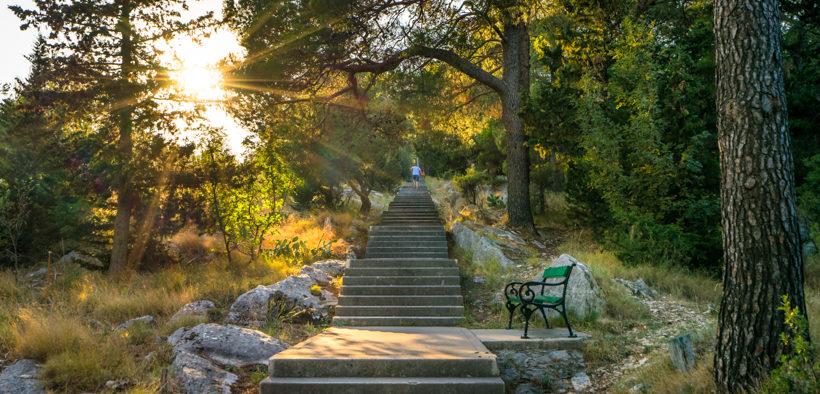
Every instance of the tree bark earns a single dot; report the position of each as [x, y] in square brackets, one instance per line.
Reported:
[761, 243]
[363, 191]
[517, 82]
[122, 222]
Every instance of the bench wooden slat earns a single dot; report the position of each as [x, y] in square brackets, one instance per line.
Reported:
[556, 272]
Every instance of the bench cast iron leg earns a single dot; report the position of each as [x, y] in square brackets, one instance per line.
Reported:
[511, 307]
[545, 317]
[527, 313]
[564, 315]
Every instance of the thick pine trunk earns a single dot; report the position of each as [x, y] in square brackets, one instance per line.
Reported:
[516, 78]
[761, 245]
[122, 222]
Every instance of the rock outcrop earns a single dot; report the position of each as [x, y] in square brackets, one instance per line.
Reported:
[482, 250]
[196, 309]
[198, 375]
[290, 295]
[21, 377]
[227, 345]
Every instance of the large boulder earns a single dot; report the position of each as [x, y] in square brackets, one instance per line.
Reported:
[584, 296]
[198, 375]
[21, 377]
[290, 294]
[335, 268]
[318, 276]
[196, 309]
[227, 345]
[482, 250]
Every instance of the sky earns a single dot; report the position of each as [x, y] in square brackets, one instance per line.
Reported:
[16, 44]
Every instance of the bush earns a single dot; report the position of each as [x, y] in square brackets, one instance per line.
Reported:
[799, 371]
[469, 182]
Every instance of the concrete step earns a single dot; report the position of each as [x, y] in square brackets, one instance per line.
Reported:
[415, 321]
[409, 222]
[408, 249]
[405, 238]
[401, 271]
[400, 280]
[403, 263]
[400, 311]
[401, 300]
[410, 290]
[409, 232]
[414, 385]
[377, 255]
[417, 228]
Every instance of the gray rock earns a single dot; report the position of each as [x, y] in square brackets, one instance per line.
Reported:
[559, 356]
[335, 268]
[539, 245]
[528, 388]
[147, 320]
[584, 296]
[482, 250]
[510, 375]
[809, 248]
[638, 288]
[505, 234]
[328, 299]
[289, 294]
[38, 273]
[198, 375]
[82, 259]
[479, 280]
[682, 353]
[194, 309]
[581, 382]
[21, 377]
[227, 344]
[318, 276]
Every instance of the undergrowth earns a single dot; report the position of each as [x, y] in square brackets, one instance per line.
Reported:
[69, 324]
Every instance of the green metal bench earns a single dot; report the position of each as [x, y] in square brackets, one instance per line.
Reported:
[529, 296]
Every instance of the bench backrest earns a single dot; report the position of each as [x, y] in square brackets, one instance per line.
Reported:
[557, 272]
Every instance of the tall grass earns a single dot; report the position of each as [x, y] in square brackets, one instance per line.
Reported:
[699, 288]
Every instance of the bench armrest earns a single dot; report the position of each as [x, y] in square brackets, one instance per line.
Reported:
[528, 292]
[512, 289]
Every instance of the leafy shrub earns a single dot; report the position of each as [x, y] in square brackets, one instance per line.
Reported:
[469, 182]
[298, 249]
[494, 201]
[799, 371]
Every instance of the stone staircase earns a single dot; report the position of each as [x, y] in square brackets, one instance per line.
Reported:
[390, 331]
[405, 278]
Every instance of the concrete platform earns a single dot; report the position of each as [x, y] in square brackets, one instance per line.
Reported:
[540, 338]
[386, 344]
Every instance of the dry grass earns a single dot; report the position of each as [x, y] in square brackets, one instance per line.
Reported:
[70, 327]
[681, 283]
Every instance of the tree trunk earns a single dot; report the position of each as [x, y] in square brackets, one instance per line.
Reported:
[364, 194]
[761, 243]
[122, 222]
[516, 78]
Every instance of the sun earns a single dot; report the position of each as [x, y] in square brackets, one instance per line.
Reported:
[200, 82]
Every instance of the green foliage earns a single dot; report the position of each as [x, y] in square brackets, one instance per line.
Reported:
[799, 371]
[494, 201]
[298, 249]
[246, 198]
[809, 192]
[469, 182]
[639, 131]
